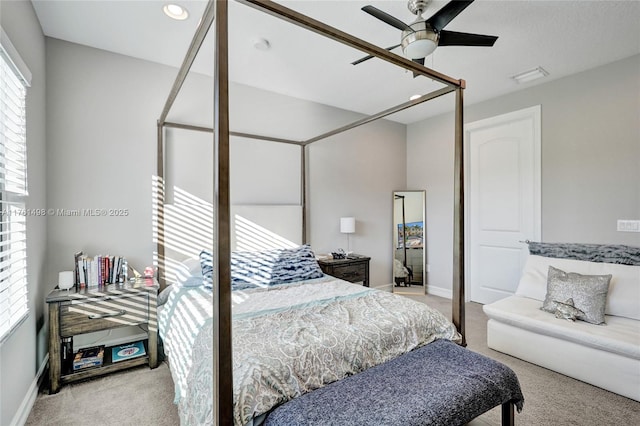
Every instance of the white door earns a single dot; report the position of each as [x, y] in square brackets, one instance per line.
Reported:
[502, 161]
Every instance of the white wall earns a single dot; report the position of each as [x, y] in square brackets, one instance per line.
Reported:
[22, 354]
[350, 174]
[590, 160]
[355, 174]
[102, 112]
[101, 115]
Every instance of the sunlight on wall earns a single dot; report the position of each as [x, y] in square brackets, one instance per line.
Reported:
[252, 237]
[185, 227]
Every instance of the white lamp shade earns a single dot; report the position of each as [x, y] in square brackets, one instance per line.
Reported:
[347, 225]
[65, 280]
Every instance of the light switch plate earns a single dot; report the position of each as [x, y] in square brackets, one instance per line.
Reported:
[628, 225]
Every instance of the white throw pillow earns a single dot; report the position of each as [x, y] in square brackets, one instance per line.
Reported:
[533, 281]
[624, 289]
[188, 269]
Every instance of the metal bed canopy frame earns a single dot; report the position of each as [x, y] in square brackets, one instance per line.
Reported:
[223, 381]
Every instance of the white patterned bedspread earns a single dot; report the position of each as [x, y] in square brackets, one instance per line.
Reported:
[289, 340]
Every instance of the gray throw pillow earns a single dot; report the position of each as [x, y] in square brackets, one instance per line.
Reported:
[589, 293]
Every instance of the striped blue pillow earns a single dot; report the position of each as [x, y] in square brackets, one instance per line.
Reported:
[266, 268]
[206, 263]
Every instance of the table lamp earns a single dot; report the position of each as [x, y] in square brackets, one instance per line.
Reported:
[348, 226]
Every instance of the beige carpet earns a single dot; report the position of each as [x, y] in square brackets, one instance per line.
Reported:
[138, 396]
[550, 398]
[142, 396]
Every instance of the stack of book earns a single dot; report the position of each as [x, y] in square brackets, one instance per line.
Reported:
[128, 351]
[88, 357]
[99, 270]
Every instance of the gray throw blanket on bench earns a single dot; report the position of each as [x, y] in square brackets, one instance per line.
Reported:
[438, 384]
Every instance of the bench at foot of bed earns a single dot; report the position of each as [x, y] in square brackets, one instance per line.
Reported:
[438, 384]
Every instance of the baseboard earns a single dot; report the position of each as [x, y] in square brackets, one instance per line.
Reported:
[30, 398]
[439, 291]
[385, 287]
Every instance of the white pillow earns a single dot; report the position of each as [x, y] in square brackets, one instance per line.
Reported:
[533, 281]
[624, 289]
[188, 269]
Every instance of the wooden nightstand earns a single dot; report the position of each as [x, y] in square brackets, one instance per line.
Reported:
[353, 269]
[87, 310]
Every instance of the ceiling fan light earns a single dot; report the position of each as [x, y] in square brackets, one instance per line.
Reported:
[420, 49]
[420, 41]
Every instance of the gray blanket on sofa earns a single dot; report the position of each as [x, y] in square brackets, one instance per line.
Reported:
[605, 253]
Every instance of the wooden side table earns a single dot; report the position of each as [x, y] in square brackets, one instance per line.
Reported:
[354, 268]
[87, 310]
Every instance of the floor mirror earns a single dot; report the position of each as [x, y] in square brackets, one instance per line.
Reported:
[409, 244]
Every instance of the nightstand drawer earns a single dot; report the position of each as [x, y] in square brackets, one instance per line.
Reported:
[354, 269]
[103, 313]
[353, 273]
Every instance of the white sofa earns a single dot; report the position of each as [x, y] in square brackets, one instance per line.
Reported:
[607, 355]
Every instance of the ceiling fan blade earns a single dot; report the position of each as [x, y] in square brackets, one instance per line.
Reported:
[453, 38]
[366, 58]
[445, 15]
[385, 17]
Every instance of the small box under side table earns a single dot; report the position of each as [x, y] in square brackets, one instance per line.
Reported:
[106, 307]
[353, 269]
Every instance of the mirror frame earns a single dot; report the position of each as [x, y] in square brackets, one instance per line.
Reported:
[403, 193]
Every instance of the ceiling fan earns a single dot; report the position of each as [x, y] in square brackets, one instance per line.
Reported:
[420, 38]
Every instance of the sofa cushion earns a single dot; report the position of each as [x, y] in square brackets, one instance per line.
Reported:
[588, 292]
[620, 335]
[624, 289]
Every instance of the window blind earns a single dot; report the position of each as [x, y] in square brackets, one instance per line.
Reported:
[13, 193]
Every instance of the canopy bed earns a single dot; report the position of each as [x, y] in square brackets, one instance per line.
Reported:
[314, 293]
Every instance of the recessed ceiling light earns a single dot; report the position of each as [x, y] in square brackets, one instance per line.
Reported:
[175, 11]
[530, 75]
[261, 44]
[414, 97]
